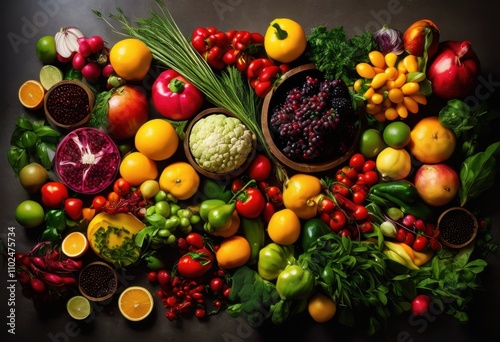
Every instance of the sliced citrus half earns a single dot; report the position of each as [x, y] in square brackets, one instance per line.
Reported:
[75, 245]
[50, 75]
[78, 307]
[31, 94]
[135, 303]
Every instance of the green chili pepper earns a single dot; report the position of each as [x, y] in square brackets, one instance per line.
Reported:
[295, 283]
[312, 230]
[401, 189]
[253, 231]
[273, 259]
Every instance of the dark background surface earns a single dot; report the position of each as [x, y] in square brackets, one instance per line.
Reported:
[458, 20]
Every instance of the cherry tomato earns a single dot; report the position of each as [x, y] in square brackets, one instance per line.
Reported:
[199, 313]
[371, 178]
[345, 233]
[409, 239]
[420, 243]
[337, 220]
[400, 235]
[73, 208]
[341, 189]
[153, 276]
[163, 277]
[365, 227]
[260, 168]
[357, 161]
[236, 185]
[54, 194]
[326, 206]
[216, 284]
[268, 211]
[98, 202]
[420, 304]
[359, 196]
[113, 197]
[369, 165]
[350, 172]
[195, 240]
[121, 187]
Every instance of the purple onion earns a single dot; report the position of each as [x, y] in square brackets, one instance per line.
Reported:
[389, 40]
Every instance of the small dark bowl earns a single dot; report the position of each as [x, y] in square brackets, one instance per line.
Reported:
[99, 282]
[192, 161]
[85, 114]
[462, 221]
[289, 80]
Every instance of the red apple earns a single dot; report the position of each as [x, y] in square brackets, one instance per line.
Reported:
[414, 38]
[454, 70]
[437, 184]
[128, 110]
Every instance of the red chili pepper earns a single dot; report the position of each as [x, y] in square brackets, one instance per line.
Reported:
[230, 34]
[241, 39]
[257, 38]
[231, 56]
[214, 58]
[244, 61]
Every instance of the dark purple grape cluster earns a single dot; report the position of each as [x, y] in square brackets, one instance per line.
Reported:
[315, 122]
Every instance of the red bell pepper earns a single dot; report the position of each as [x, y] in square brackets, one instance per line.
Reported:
[174, 97]
[262, 74]
[250, 203]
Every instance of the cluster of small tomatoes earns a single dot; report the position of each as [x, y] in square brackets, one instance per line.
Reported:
[343, 209]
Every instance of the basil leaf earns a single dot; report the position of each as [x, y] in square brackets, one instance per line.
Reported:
[18, 158]
[41, 150]
[24, 123]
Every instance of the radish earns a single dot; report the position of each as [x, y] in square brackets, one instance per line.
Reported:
[91, 71]
[420, 305]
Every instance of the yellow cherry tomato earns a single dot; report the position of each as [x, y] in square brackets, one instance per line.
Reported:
[180, 179]
[130, 59]
[285, 40]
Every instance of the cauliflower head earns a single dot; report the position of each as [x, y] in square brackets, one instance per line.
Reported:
[220, 143]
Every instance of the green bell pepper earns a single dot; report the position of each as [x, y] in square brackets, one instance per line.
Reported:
[295, 283]
[216, 189]
[273, 259]
[312, 230]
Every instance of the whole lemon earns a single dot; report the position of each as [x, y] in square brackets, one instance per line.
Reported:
[431, 142]
[157, 139]
[393, 163]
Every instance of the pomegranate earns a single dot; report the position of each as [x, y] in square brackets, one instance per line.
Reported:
[87, 160]
[436, 184]
[454, 70]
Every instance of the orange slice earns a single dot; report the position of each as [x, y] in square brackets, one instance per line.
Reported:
[135, 303]
[31, 94]
[74, 245]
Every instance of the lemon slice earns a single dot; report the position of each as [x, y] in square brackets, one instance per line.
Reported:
[78, 307]
[50, 75]
[135, 303]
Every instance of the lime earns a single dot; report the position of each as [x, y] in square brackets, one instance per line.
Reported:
[29, 214]
[46, 49]
[397, 134]
[50, 75]
[78, 307]
[371, 143]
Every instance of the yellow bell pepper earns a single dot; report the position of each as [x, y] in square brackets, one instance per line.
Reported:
[301, 194]
[285, 40]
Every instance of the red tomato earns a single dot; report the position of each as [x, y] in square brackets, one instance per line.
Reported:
[196, 263]
[371, 178]
[268, 212]
[195, 240]
[128, 110]
[121, 187]
[216, 284]
[350, 172]
[369, 165]
[163, 277]
[420, 243]
[357, 161]
[250, 203]
[54, 194]
[73, 208]
[260, 168]
[98, 202]
[337, 220]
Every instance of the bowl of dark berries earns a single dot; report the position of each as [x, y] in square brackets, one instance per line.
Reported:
[457, 227]
[97, 281]
[309, 122]
[68, 104]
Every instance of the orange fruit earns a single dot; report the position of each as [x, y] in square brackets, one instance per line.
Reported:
[74, 245]
[321, 307]
[284, 227]
[135, 303]
[136, 168]
[130, 59]
[31, 94]
[157, 139]
[431, 142]
[180, 179]
[233, 252]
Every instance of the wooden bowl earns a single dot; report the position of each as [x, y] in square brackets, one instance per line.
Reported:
[457, 227]
[103, 280]
[64, 96]
[192, 161]
[289, 80]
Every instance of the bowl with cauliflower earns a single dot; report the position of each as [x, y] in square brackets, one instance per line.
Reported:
[219, 145]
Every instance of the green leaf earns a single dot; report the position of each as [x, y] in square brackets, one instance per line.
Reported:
[24, 123]
[99, 115]
[42, 152]
[476, 266]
